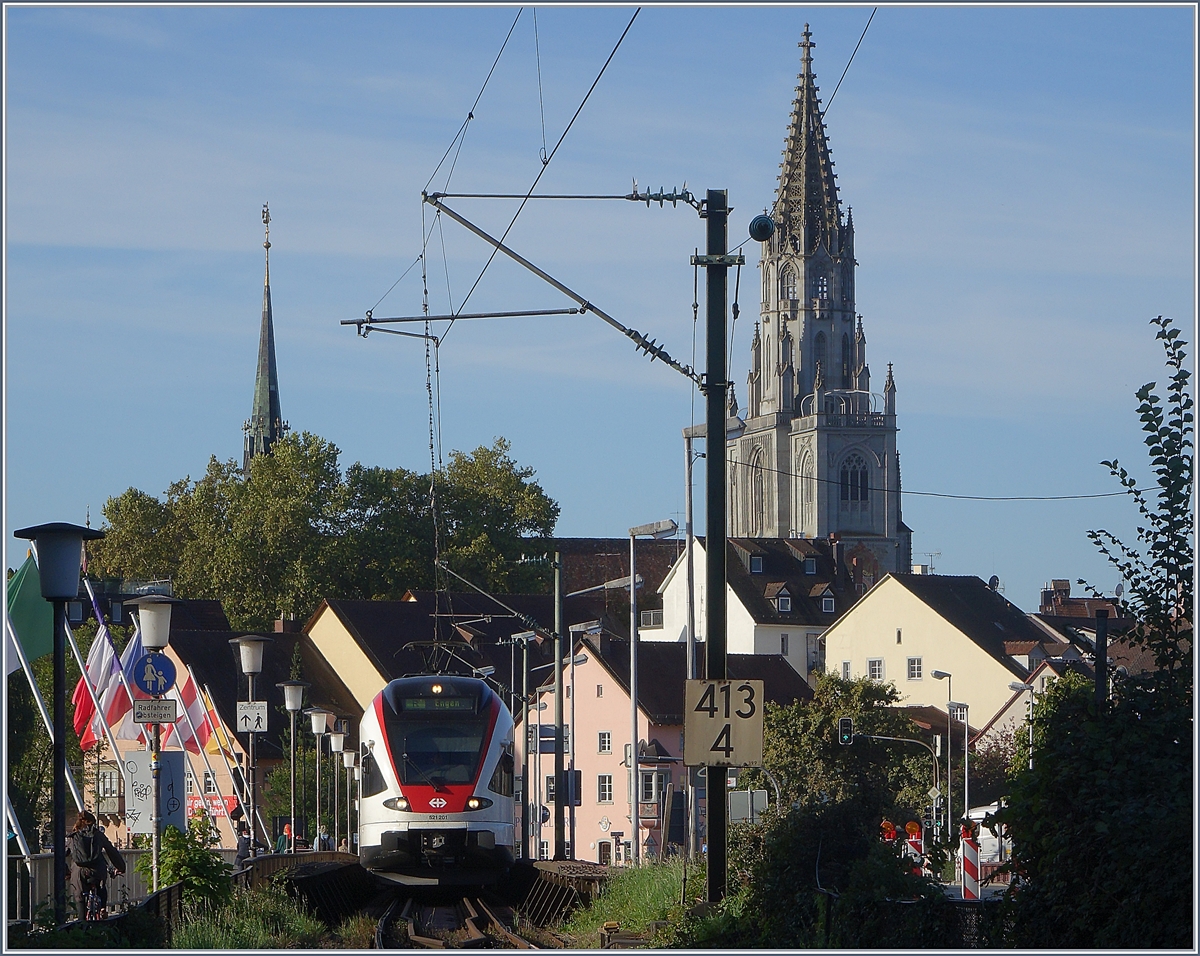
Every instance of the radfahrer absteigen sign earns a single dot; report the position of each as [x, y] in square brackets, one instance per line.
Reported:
[723, 723]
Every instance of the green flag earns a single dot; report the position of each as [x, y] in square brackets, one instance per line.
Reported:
[31, 614]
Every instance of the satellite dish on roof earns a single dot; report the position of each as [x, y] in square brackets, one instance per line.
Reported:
[994, 582]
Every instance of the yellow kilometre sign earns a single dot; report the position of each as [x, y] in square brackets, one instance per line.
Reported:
[723, 723]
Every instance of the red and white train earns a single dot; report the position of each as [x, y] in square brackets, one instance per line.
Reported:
[437, 782]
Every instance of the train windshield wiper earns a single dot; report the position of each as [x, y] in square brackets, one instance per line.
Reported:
[424, 776]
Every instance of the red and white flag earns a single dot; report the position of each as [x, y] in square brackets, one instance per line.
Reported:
[190, 701]
[117, 707]
[102, 669]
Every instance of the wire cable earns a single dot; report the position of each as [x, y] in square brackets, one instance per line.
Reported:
[546, 165]
[471, 112]
[933, 494]
[537, 53]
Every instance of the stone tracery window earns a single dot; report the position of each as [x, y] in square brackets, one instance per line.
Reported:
[787, 283]
[854, 481]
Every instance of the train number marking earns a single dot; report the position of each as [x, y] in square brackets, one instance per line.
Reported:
[439, 816]
[438, 802]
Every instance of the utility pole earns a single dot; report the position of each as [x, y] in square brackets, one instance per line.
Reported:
[716, 387]
[560, 782]
[692, 669]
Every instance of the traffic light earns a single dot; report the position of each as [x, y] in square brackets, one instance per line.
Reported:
[939, 807]
[845, 730]
[927, 818]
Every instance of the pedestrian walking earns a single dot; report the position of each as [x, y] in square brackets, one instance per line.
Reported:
[92, 854]
[284, 843]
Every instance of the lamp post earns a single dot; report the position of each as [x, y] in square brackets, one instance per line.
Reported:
[966, 763]
[348, 762]
[320, 720]
[563, 782]
[1018, 687]
[250, 654]
[948, 678]
[59, 549]
[293, 700]
[337, 745]
[154, 621]
[659, 529]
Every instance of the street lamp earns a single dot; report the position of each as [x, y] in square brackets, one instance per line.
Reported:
[348, 762]
[1017, 686]
[337, 745]
[293, 700]
[523, 638]
[320, 720]
[154, 622]
[659, 529]
[250, 652]
[59, 548]
[947, 677]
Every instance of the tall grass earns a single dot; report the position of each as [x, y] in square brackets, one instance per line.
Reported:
[263, 918]
[634, 897]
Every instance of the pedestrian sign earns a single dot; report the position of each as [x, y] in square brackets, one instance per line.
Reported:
[154, 674]
[252, 716]
[723, 723]
[154, 711]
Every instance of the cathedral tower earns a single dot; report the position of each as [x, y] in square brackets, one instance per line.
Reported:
[265, 425]
[818, 453]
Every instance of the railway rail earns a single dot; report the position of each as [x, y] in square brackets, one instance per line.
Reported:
[467, 922]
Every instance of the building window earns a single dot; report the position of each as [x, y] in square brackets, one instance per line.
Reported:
[605, 849]
[189, 783]
[210, 783]
[827, 605]
[819, 356]
[914, 668]
[845, 670]
[810, 565]
[549, 788]
[898, 635]
[110, 783]
[605, 742]
[652, 618]
[783, 644]
[604, 790]
[787, 283]
[854, 479]
[784, 603]
[654, 783]
[875, 668]
[845, 361]
[543, 850]
[822, 287]
[599, 690]
[756, 564]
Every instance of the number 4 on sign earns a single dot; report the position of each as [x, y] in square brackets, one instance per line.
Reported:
[723, 723]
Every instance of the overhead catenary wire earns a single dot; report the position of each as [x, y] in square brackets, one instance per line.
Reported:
[546, 163]
[936, 494]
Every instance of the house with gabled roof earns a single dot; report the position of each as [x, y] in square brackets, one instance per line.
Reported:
[602, 728]
[909, 625]
[781, 596]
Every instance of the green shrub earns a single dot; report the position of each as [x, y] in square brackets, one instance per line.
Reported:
[190, 858]
[635, 897]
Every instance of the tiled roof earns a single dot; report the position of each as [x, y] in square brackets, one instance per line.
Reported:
[783, 566]
[983, 615]
[1020, 647]
[661, 694]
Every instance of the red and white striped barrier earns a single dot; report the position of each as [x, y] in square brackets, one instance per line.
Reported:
[970, 866]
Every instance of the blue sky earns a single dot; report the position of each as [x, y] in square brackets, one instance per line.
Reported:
[1022, 180]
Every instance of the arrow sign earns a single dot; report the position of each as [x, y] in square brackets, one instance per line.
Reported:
[154, 674]
[252, 716]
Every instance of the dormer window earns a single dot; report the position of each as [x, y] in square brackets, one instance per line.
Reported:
[784, 602]
[756, 564]
[827, 605]
[810, 565]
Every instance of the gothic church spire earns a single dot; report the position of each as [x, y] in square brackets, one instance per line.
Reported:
[266, 425]
[807, 203]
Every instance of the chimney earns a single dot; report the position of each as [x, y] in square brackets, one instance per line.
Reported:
[287, 625]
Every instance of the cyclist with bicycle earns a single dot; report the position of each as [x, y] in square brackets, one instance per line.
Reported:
[92, 855]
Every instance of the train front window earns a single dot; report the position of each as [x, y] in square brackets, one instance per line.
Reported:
[435, 751]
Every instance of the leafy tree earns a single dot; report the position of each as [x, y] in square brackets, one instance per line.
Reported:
[294, 529]
[816, 872]
[1102, 824]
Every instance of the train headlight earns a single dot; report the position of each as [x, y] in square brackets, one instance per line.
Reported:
[478, 803]
[396, 803]
[436, 688]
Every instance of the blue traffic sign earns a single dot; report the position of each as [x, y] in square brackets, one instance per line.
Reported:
[154, 674]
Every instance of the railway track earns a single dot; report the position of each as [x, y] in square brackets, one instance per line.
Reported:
[468, 922]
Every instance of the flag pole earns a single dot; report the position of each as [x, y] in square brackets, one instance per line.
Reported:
[112, 741]
[37, 696]
[225, 760]
[137, 626]
[204, 756]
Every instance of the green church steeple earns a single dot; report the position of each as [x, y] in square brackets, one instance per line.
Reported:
[266, 425]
